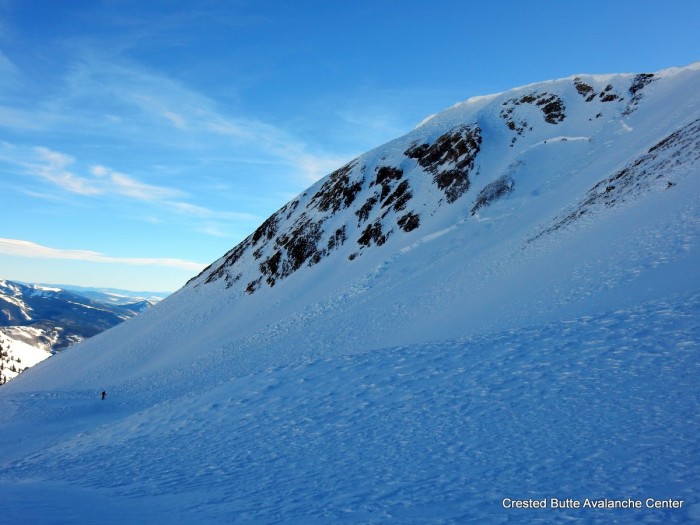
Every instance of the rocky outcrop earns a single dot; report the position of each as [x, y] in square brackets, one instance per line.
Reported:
[450, 159]
[551, 106]
[493, 191]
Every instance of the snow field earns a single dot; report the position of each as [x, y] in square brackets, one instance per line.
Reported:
[595, 407]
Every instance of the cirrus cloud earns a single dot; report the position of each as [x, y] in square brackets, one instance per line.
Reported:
[122, 184]
[64, 172]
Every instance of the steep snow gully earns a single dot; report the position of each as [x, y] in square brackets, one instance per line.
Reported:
[494, 319]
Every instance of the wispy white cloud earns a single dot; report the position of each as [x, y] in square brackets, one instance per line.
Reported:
[221, 126]
[158, 107]
[177, 120]
[118, 101]
[315, 167]
[53, 167]
[19, 119]
[261, 141]
[61, 170]
[122, 184]
[30, 249]
[215, 230]
[193, 210]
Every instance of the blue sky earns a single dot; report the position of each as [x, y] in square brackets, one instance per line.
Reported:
[140, 140]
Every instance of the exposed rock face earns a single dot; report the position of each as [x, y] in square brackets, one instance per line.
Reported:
[584, 89]
[609, 94]
[590, 94]
[493, 191]
[409, 222]
[551, 106]
[293, 249]
[450, 159]
[338, 192]
[636, 90]
[298, 235]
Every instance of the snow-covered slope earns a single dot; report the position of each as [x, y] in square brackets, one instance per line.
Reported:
[16, 356]
[501, 304]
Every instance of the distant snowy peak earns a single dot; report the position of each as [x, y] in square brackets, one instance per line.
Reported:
[460, 162]
[51, 318]
[13, 308]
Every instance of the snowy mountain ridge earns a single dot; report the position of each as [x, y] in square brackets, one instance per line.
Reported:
[503, 303]
[373, 195]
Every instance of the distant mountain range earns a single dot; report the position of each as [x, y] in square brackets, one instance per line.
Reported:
[39, 320]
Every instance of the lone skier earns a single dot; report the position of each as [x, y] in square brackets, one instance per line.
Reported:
[104, 394]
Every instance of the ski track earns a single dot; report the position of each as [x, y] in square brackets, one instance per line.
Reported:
[599, 407]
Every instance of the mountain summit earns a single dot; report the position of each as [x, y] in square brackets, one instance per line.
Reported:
[519, 146]
[529, 253]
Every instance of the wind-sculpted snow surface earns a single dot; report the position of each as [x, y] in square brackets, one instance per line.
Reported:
[472, 313]
[600, 407]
